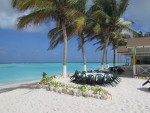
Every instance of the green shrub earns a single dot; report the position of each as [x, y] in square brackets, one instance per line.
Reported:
[54, 76]
[83, 88]
[97, 90]
[61, 75]
[46, 80]
[57, 84]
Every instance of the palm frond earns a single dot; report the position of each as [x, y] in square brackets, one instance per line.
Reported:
[35, 18]
[23, 5]
[125, 23]
[54, 32]
[132, 31]
[99, 14]
[123, 4]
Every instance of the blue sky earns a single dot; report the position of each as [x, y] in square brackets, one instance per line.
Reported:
[30, 45]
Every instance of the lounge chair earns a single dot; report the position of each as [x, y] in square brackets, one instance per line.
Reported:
[148, 81]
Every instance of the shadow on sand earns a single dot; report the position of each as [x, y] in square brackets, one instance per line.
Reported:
[144, 89]
[125, 76]
[28, 86]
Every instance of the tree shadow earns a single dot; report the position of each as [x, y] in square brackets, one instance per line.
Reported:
[22, 86]
[144, 89]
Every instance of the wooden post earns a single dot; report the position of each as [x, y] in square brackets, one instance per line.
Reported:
[134, 60]
[118, 59]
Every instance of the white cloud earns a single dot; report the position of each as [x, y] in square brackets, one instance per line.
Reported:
[7, 21]
[122, 19]
[9, 16]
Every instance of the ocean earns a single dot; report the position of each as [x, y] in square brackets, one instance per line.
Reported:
[15, 73]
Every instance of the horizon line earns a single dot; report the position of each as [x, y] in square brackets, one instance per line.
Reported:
[51, 62]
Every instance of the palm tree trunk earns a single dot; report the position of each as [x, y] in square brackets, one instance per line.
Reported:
[84, 58]
[102, 62]
[65, 50]
[114, 60]
[83, 53]
[107, 65]
[104, 53]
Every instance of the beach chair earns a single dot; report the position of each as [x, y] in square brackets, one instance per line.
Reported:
[81, 79]
[75, 77]
[99, 79]
[115, 77]
[148, 81]
[90, 79]
[108, 80]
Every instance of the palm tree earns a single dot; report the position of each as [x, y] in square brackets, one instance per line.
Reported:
[56, 34]
[81, 6]
[56, 37]
[106, 16]
[119, 39]
[63, 12]
[107, 65]
[81, 46]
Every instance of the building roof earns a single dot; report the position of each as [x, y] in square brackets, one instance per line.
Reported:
[122, 49]
[135, 42]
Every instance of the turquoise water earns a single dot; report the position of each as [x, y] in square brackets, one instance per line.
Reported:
[13, 73]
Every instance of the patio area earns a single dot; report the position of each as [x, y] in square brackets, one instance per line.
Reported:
[138, 50]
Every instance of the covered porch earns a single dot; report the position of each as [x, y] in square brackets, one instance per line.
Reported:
[138, 50]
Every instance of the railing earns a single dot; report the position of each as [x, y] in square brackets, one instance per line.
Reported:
[127, 68]
[142, 70]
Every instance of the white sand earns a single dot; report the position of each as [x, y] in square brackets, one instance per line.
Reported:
[128, 97]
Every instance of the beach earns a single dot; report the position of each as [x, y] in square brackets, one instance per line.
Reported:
[74, 56]
[127, 97]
